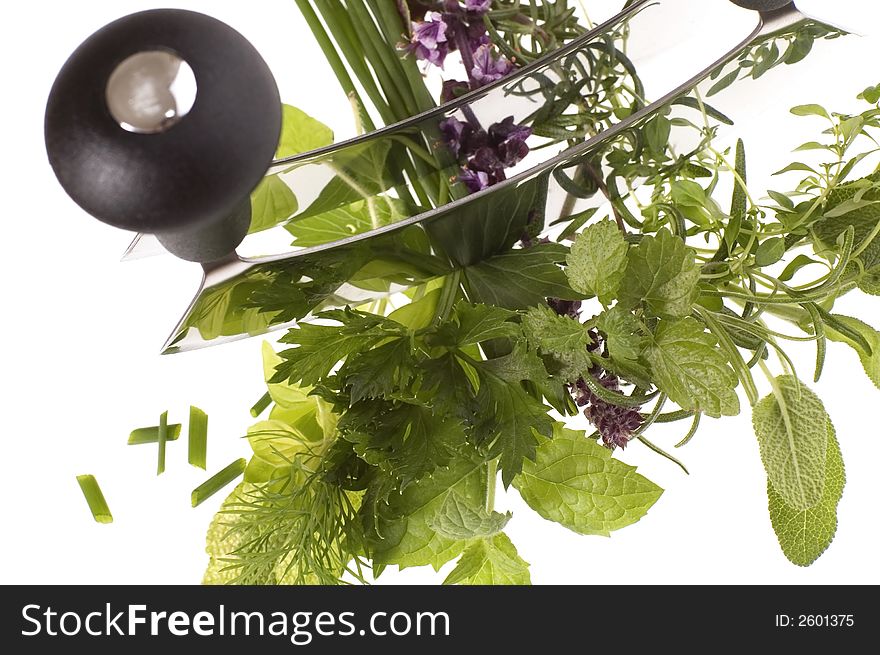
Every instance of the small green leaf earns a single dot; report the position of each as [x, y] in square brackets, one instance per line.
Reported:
[577, 483]
[491, 561]
[691, 370]
[792, 429]
[770, 251]
[805, 534]
[597, 261]
[663, 274]
[810, 110]
[272, 203]
[870, 360]
[794, 266]
[458, 519]
[301, 133]
[553, 333]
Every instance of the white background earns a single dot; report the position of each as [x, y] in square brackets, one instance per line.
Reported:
[80, 369]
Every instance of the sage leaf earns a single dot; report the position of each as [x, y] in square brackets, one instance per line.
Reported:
[690, 369]
[792, 429]
[870, 360]
[805, 534]
[575, 482]
[490, 562]
[597, 261]
[662, 273]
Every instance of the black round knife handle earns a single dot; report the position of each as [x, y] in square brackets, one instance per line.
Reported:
[762, 5]
[185, 178]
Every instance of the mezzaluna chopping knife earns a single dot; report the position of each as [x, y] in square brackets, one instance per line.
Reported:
[165, 121]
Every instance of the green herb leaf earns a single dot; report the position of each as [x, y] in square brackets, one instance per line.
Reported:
[491, 561]
[625, 342]
[576, 482]
[810, 110]
[792, 429]
[458, 519]
[770, 251]
[272, 203]
[519, 279]
[553, 333]
[405, 535]
[661, 273]
[95, 498]
[690, 369]
[597, 261]
[805, 534]
[301, 133]
[870, 360]
[478, 323]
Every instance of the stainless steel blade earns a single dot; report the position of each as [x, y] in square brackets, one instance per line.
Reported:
[252, 295]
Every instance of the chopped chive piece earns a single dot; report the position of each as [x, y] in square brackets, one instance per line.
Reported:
[261, 405]
[217, 481]
[198, 437]
[95, 498]
[163, 437]
[140, 436]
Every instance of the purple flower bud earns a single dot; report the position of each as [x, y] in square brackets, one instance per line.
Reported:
[429, 42]
[474, 180]
[487, 67]
[485, 159]
[509, 141]
[452, 130]
[614, 423]
[477, 7]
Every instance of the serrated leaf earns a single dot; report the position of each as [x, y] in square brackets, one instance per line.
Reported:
[576, 482]
[405, 533]
[460, 519]
[301, 133]
[805, 534]
[625, 342]
[663, 274]
[519, 279]
[792, 429]
[870, 360]
[553, 333]
[597, 261]
[380, 371]
[690, 369]
[478, 323]
[491, 561]
[272, 203]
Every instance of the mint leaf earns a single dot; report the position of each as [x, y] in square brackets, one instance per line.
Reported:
[321, 347]
[519, 279]
[597, 261]
[870, 360]
[805, 534]
[405, 535]
[792, 429]
[458, 519]
[663, 274]
[575, 482]
[625, 342]
[490, 562]
[690, 369]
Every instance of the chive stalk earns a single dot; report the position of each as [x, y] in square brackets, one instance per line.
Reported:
[217, 481]
[150, 434]
[261, 405]
[163, 437]
[95, 498]
[198, 437]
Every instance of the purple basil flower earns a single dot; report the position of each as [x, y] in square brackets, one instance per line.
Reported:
[477, 7]
[474, 180]
[453, 130]
[614, 423]
[486, 159]
[487, 67]
[429, 42]
[509, 141]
